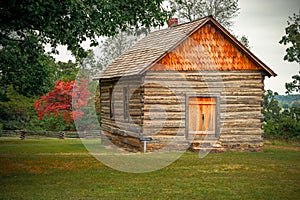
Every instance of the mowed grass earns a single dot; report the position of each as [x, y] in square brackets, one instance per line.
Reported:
[63, 169]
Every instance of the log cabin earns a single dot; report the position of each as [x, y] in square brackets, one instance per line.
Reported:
[191, 85]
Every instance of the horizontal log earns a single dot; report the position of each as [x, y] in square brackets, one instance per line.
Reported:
[242, 120]
[122, 140]
[164, 131]
[166, 124]
[132, 119]
[240, 138]
[244, 109]
[201, 78]
[162, 101]
[154, 93]
[173, 97]
[117, 128]
[231, 105]
[158, 92]
[240, 125]
[119, 131]
[241, 131]
[166, 108]
[121, 112]
[163, 118]
[163, 115]
[241, 116]
[119, 121]
[243, 98]
[191, 84]
[105, 82]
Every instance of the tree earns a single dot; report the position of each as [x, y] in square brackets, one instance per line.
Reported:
[222, 10]
[293, 86]
[29, 72]
[27, 25]
[277, 124]
[271, 115]
[116, 45]
[72, 22]
[16, 112]
[271, 106]
[292, 38]
[58, 102]
[66, 71]
[244, 40]
[90, 65]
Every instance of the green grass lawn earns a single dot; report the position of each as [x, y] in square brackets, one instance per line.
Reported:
[63, 169]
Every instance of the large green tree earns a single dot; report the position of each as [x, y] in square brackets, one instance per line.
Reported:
[292, 38]
[66, 71]
[24, 66]
[27, 25]
[72, 22]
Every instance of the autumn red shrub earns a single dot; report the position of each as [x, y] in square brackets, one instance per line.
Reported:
[66, 100]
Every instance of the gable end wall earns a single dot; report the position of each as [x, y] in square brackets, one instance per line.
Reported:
[240, 105]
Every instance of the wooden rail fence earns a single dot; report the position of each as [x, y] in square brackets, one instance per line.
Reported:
[51, 134]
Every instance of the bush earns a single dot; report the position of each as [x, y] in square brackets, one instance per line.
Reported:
[17, 111]
[50, 123]
[280, 125]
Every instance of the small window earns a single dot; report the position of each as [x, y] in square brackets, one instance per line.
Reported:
[126, 103]
[111, 103]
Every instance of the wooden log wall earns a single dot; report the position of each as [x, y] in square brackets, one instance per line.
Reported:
[118, 124]
[241, 100]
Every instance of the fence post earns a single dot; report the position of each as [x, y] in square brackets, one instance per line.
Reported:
[61, 135]
[22, 137]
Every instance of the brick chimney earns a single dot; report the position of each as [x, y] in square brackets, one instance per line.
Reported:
[173, 22]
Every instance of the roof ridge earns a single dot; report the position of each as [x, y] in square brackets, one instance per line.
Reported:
[147, 51]
[182, 24]
[202, 18]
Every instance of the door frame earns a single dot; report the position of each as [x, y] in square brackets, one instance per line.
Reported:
[217, 97]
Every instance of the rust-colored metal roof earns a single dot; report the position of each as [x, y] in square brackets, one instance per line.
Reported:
[155, 46]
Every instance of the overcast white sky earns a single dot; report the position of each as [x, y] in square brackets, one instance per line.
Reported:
[263, 22]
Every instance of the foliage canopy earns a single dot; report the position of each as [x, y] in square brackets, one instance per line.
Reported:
[221, 10]
[292, 38]
[73, 22]
[27, 25]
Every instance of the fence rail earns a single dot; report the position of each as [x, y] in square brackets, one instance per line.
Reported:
[52, 134]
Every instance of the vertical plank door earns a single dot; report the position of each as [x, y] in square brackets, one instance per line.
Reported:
[202, 115]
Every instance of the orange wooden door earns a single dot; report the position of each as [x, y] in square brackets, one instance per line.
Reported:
[202, 115]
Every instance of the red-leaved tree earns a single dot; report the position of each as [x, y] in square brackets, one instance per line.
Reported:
[58, 102]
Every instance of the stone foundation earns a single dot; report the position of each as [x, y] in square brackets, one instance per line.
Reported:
[178, 143]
